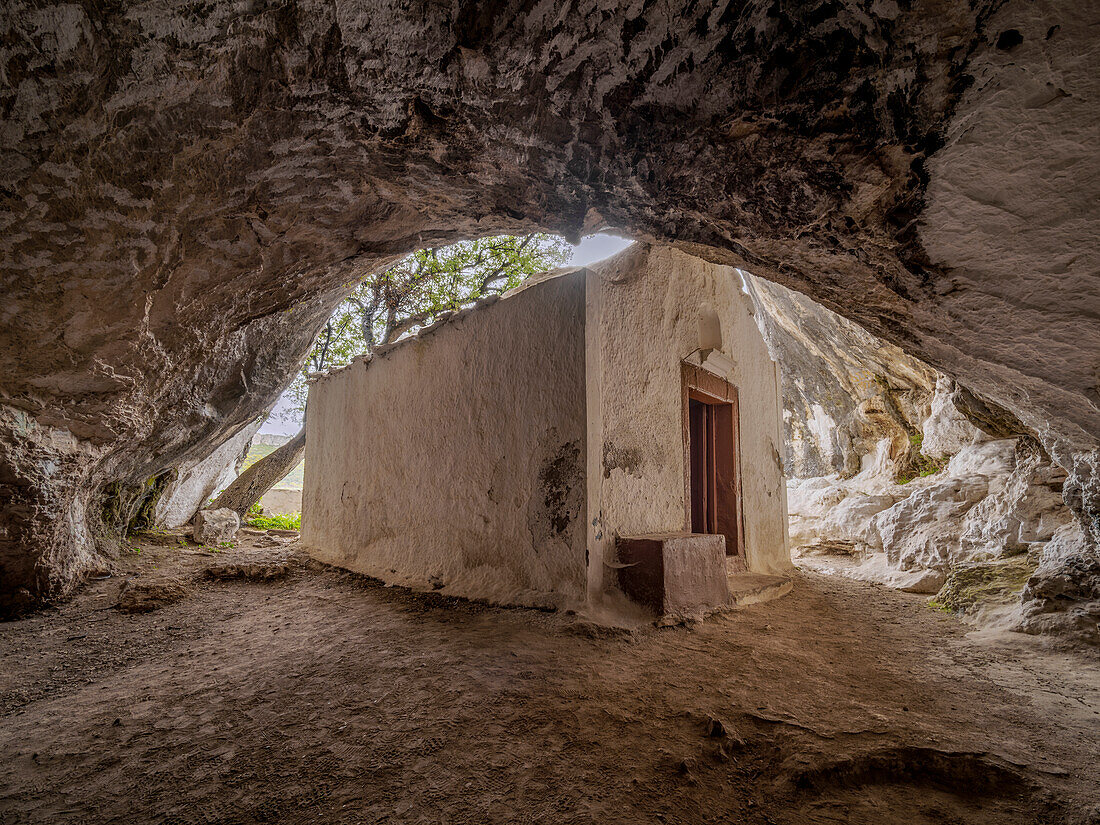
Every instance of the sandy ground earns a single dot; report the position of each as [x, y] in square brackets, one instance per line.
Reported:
[324, 697]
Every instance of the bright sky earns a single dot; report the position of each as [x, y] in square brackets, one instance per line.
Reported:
[588, 251]
[596, 248]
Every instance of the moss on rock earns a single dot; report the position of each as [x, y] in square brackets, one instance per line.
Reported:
[976, 584]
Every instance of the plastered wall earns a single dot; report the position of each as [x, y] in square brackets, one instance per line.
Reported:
[456, 459]
[644, 313]
[479, 457]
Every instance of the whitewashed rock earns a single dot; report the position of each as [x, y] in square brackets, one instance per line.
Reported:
[216, 526]
[946, 430]
[921, 531]
[993, 459]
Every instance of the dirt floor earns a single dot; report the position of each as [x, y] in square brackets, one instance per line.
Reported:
[324, 697]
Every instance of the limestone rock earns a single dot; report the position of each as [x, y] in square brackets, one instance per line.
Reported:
[995, 499]
[256, 566]
[197, 481]
[189, 188]
[916, 532]
[844, 389]
[836, 513]
[212, 527]
[946, 430]
[145, 595]
[1063, 595]
[971, 586]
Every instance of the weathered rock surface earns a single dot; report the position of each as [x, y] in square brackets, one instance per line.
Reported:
[255, 566]
[1064, 593]
[145, 595]
[189, 188]
[997, 497]
[197, 481]
[844, 389]
[212, 527]
[995, 500]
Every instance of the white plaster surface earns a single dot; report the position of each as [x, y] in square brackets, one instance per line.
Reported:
[433, 464]
[644, 312]
[472, 457]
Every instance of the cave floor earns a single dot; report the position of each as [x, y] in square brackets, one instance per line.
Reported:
[326, 697]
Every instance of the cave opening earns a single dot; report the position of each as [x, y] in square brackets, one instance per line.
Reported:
[192, 189]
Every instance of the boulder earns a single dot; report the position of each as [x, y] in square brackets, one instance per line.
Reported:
[251, 567]
[946, 430]
[214, 527]
[144, 595]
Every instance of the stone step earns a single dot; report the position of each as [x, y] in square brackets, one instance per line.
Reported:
[753, 588]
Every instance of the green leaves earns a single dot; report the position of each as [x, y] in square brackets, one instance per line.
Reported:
[418, 289]
[289, 521]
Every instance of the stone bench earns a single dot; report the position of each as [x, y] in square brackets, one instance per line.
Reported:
[674, 573]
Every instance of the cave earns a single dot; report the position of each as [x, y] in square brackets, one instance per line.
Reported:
[909, 190]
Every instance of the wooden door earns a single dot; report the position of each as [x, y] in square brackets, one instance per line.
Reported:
[712, 471]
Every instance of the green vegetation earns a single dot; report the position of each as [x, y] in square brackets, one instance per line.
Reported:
[919, 464]
[290, 521]
[975, 584]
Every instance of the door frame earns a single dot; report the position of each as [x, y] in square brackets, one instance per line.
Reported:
[698, 383]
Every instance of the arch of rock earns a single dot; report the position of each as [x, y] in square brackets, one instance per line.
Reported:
[189, 187]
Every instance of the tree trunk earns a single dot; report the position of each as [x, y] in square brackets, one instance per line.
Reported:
[262, 476]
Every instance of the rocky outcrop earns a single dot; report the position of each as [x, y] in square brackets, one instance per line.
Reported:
[1063, 596]
[993, 500]
[844, 389]
[214, 527]
[936, 502]
[198, 481]
[189, 188]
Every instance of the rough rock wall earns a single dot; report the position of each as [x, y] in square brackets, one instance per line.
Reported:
[189, 186]
[844, 390]
[855, 412]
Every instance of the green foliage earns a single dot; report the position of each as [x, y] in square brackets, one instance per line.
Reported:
[256, 510]
[415, 291]
[290, 521]
[920, 465]
[974, 584]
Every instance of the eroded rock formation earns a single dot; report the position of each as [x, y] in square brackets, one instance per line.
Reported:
[892, 482]
[189, 187]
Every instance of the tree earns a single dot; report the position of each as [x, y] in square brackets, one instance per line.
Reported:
[410, 294]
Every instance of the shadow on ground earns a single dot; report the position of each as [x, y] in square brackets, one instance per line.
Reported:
[320, 696]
